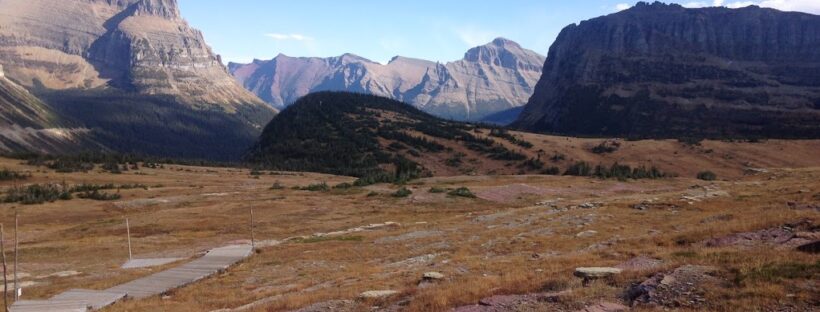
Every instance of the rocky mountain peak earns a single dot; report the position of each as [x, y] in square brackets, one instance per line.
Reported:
[505, 53]
[504, 42]
[349, 58]
[162, 8]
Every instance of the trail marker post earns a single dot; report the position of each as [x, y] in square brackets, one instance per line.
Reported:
[128, 232]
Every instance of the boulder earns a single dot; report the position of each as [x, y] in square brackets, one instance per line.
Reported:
[593, 273]
[432, 276]
[377, 294]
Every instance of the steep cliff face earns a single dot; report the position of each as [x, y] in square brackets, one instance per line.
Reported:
[664, 70]
[27, 125]
[490, 78]
[137, 51]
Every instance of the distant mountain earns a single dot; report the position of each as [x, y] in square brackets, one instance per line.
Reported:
[491, 78]
[131, 71]
[366, 136]
[662, 70]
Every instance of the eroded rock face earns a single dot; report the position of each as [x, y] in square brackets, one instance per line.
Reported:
[134, 72]
[137, 45]
[662, 70]
[491, 78]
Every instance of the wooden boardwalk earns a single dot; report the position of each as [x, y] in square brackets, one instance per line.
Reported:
[216, 260]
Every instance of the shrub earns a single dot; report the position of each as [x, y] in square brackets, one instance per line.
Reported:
[462, 192]
[552, 171]
[558, 157]
[436, 190]
[343, 186]
[277, 186]
[402, 192]
[8, 175]
[580, 168]
[111, 167]
[97, 195]
[606, 147]
[707, 176]
[692, 141]
[37, 194]
[318, 187]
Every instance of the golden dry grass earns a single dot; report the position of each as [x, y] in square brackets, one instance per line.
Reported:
[483, 247]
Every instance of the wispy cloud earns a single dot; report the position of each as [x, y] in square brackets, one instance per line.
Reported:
[811, 6]
[622, 6]
[473, 36]
[294, 37]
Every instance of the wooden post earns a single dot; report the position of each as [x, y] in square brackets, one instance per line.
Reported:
[5, 280]
[128, 231]
[253, 239]
[16, 241]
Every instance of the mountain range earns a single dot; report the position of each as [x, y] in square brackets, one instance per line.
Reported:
[489, 79]
[131, 72]
[659, 70]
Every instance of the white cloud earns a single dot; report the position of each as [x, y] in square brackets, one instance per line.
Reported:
[622, 6]
[810, 6]
[473, 36]
[296, 37]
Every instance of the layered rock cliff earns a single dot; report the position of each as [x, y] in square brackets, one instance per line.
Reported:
[491, 78]
[137, 51]
[663, 70]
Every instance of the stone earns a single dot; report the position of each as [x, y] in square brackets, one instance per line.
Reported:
[377, 294]
[430, 276]
[595, 273]
[584, 234]
[606, 307]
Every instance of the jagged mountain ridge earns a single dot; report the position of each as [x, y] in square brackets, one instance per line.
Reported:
[660, 70]
[85, 57]
[490, 78]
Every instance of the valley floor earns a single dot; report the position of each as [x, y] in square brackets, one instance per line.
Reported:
[521, 236]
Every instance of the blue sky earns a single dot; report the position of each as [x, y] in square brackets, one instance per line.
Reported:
[439, 30]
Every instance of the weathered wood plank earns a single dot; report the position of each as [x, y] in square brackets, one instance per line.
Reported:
[81, 300]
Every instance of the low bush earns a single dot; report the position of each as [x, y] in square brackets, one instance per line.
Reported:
[436, 190]
[317, 187]
[37, 194]
[402, 192]
[9, 175]
[462, 192]
[707, 176]
[97, 195]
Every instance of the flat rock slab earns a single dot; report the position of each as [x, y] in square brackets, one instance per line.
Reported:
[147, 263]
[592, 273]
[377, 294]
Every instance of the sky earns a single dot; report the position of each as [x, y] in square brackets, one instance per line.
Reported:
[437, 30]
